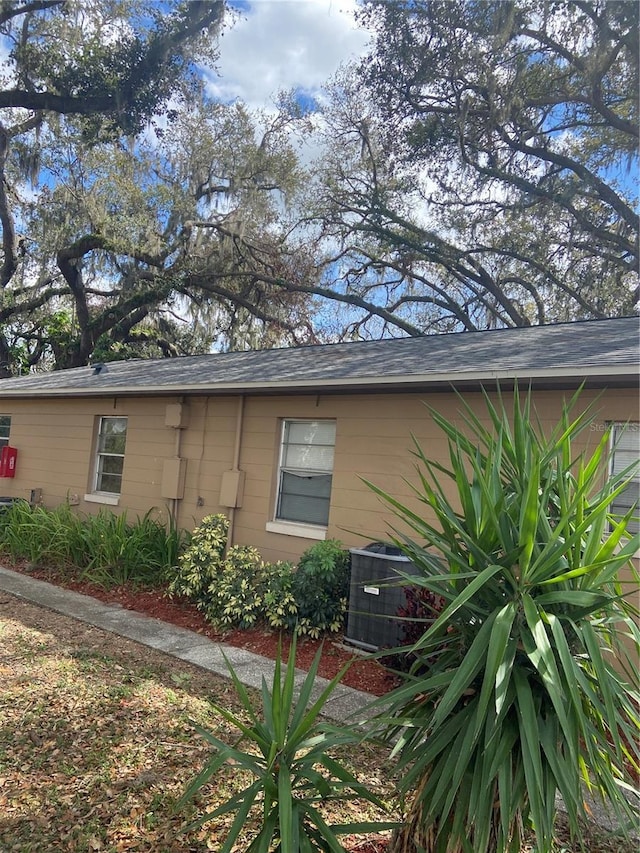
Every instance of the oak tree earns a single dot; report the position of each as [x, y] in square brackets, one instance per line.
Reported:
[77, 71]
[484, 162]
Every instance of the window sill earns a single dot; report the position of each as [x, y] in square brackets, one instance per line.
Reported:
[292, 528]
[96, 498]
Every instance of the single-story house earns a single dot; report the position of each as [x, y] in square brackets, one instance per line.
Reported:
[281, 439]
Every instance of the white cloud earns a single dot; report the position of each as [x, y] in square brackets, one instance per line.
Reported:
[285, 44]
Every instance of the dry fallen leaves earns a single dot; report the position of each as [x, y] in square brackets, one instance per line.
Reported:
[96, 744]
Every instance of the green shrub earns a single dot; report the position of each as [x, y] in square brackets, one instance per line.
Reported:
[233, 598]
[236, 590]
[248, 591]
[286, 766]
[240, 590]
[320, 588]
[199, 566]
[278, 602]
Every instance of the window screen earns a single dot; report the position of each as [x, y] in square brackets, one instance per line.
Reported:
[626, 453]
[306, 467]
[112, 437]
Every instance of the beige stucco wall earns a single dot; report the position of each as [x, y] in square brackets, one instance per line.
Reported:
[373, 441]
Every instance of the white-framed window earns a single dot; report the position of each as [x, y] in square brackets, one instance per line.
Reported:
[305, 472]
[110, 445]
[5, 429]
[625, 443]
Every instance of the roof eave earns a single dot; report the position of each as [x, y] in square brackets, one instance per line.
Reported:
[590, 376]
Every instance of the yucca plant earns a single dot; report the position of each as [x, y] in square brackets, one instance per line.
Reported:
[523, 686]
[287, 750]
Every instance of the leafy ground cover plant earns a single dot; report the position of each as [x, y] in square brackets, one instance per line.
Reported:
[106, 549]
[287, 753]
[514, 696]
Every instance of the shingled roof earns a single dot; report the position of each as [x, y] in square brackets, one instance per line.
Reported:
[597, 352]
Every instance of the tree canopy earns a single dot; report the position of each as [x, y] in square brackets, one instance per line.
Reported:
[136, 214]
[493, 154]
[77, 76]
[476, 169]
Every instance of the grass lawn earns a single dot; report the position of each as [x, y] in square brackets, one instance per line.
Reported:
[96, 745]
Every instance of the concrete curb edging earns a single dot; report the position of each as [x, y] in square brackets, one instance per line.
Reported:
[180, 643]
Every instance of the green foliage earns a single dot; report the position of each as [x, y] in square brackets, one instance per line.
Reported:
[199, 566]
[40, 535]
[130, 201]
[287, 754]
[279, 603]
[117, 84]
[105, 548]
[514, 696]
[235, 590]
[119, 552]
[157, 337]
[233, 598]
[247, 590]
[240, 590]
[320, 588]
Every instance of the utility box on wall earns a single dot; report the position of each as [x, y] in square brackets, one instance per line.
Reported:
[173, 476]
[176, 415]
[232, 489]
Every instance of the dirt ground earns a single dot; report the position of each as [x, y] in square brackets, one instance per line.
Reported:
[97, 742]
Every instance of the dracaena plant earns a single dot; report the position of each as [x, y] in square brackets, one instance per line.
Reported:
[287, 751]
[523, 687]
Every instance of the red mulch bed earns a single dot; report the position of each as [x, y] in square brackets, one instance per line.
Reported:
[363, 674]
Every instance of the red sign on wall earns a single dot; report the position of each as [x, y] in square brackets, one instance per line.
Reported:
[8, 457]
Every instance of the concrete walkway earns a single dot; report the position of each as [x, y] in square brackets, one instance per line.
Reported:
[345, 702]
